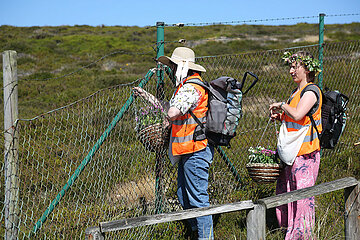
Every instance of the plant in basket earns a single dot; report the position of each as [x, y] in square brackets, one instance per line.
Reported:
[263, 165]
[150, 127]
[260, 154]
[148, 116]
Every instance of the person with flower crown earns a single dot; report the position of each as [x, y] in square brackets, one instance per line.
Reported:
[298, 218]
[193, 155]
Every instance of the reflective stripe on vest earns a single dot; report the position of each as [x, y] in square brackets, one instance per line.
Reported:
[188, 121]
[311, 141]
[297, 126]
[183, 128]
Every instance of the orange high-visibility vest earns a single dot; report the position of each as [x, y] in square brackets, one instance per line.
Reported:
[311, 142]
[183, 128]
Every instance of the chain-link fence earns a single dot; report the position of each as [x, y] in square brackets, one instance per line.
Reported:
[68, 183]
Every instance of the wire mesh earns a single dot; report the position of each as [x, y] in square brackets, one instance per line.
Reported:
[127, 177]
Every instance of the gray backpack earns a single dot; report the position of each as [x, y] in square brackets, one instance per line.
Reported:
[224, 109]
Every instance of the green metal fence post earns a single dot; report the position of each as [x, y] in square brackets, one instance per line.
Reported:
[321, 47]
[160, 52]
[160, 95]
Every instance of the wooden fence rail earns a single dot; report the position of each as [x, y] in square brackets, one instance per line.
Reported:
[256, 218]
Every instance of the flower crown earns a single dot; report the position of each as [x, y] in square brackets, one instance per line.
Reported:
[313, 65]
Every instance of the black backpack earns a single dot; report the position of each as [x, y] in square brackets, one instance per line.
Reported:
[333, 117]
[224, 109]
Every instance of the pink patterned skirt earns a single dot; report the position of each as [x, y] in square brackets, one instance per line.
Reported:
[298, 217]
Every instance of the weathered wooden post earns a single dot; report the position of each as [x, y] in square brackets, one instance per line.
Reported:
[352, 212]
[11, 171]
[256, 223]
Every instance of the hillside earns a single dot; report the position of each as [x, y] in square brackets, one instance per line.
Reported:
[46, 54]
[114, 177]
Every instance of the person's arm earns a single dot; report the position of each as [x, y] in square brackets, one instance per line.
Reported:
[307, 101]
[138, 91]
[180, 104]
[174, 113]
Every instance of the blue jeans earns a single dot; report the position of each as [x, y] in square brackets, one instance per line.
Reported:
[193, 178]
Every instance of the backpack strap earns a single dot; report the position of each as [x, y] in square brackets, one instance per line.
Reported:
[213, 92]
[313, 124]
[198, 82]
[206, 86]
[315, 89]
[196, 119]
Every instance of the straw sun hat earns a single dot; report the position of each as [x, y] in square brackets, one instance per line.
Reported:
[182, 54]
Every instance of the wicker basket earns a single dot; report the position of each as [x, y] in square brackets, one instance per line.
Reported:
[154, 137]
[263, 173]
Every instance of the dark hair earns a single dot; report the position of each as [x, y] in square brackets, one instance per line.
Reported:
[305, 54]
[192, 72]
[173, 71]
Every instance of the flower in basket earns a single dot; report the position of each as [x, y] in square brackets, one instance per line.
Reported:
[260, 154]
[148, 116]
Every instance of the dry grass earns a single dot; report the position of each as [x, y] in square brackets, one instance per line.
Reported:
[134, 192]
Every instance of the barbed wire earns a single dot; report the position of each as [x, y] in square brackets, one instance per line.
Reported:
[255, 20]
[183, 40]
[343, 15]
[237, 22]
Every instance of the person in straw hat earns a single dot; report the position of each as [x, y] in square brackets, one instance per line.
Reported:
[194, 156]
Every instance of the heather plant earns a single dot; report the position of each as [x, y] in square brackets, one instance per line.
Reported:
[148, 115]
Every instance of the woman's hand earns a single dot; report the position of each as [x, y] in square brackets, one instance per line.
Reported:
[275, 111]
[275, 116]
[138, 91]
[275, 106]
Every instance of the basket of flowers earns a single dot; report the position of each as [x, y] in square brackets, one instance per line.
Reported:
[263, 166]
[151, 130]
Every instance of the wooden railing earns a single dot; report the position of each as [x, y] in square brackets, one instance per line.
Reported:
[256, 221]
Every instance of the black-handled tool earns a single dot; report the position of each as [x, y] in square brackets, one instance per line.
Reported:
[243, 81]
